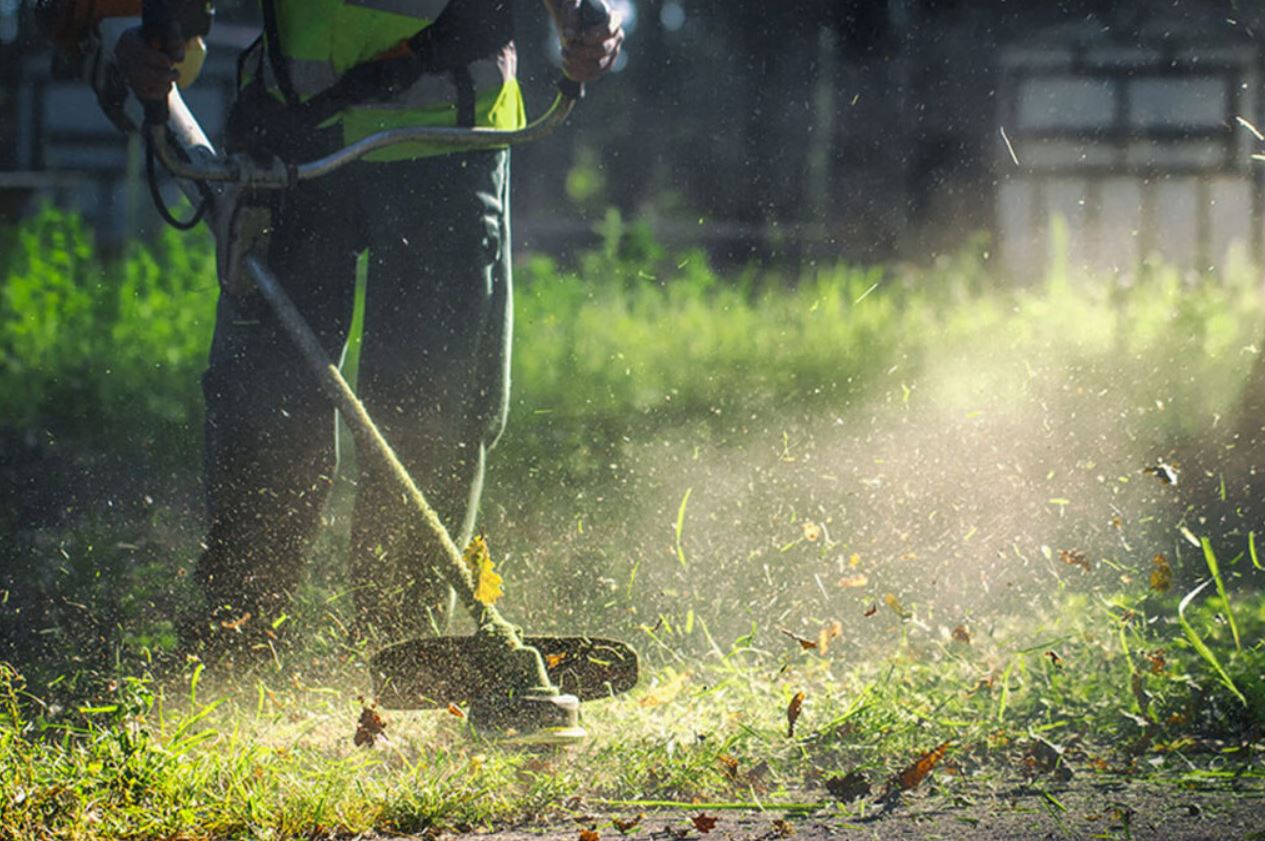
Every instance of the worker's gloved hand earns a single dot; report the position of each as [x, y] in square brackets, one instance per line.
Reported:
[587, 52]
[150, 71]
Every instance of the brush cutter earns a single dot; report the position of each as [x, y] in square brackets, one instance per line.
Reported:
[511, 683]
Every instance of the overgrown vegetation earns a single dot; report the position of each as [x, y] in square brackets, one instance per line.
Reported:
[773, 484]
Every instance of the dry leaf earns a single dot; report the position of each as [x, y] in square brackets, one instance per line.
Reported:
[812, 531]
[854, 581]
[1076, 558]
[804, 642]
[453, 709]
[590, 835]
[629, 825]
[369, 727]
[828, 632]
[1162, 574]
[914, 774]
[487, 584]
[552, 660]
[1157, 660]
[783, 828]
[704, 823]
[960, 634]
[871, 610]
[850, 787]
[792, 713]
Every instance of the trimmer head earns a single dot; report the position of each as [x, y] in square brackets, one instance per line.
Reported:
[436, 671]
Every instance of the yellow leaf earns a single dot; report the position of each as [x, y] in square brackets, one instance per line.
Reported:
[487, 584]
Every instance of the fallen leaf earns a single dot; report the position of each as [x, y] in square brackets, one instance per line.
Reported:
[812, 531]
[828, 632]
[854, 581]
[590, 835]
[792, 713]
[629, 825]
[1161, 574]
[804, 642]
[369, 727]
[916, 773]
[487, 584]
[552, 660]
[1076, 558]
[871, 610]
[783, 828]
[453, 709]
[704, 823]
[849, 787]
[960, 634]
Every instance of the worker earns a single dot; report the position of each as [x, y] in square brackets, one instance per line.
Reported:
[434, 358]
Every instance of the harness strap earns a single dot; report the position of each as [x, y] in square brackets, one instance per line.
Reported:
[276, 58]
[460, 36]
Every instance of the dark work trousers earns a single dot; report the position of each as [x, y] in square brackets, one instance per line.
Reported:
[434, 375]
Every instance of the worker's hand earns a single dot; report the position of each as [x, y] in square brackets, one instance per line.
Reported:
[587, 52]
[149, 70]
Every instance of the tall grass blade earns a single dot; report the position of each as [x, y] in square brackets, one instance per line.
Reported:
[1200, 646]
[1211, 558]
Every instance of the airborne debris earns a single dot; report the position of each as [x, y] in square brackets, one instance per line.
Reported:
[370, 726]
[1162, 574]
[1163, 471]
[804, 642]
[487, 584]
[793, 710]
[1076, 558]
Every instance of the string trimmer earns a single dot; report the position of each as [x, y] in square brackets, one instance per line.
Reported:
[532, 685]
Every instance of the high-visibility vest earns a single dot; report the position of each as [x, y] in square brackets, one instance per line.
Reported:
[322, 39]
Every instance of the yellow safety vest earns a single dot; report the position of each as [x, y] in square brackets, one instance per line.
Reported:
[322, 39]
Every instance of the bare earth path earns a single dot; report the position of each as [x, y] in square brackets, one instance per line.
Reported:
[1138, 810]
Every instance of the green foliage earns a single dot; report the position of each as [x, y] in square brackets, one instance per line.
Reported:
[100, 349]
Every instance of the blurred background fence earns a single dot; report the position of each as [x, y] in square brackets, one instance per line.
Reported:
[807, 129]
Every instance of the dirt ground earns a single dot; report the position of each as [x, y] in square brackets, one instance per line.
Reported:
[1080, 810]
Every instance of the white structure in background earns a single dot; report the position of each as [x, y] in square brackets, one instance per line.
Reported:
[1136, 145]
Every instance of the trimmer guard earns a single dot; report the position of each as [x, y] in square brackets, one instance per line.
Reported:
[437, 671]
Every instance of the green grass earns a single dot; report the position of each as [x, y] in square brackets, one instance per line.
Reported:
[273, 756]
[674, 433]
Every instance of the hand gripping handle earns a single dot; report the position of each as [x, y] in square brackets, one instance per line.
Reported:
[156, 27]
[592, 13]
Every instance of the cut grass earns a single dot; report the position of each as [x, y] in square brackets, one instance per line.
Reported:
[147, 760]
